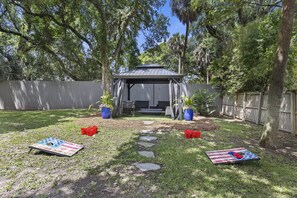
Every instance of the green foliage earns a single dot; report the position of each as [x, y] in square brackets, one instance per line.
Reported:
[247, 62]
[50, 40]
[107, 101]
[188, 102]
[204, 102]
[160, 54]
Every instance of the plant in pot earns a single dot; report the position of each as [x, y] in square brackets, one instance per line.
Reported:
[188, 107]
[106, 106]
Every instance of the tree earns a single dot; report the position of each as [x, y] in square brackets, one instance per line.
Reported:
[79, 35]
[177, 45]
[278, 73]
[186, 14]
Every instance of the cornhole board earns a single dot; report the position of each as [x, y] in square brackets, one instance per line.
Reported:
[57, 147]
[222, 156]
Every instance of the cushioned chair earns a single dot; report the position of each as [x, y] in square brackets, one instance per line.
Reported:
[163, 104]
[139, 104]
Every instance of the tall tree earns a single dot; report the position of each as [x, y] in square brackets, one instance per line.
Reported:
[75, 33]
[277, 78]
[186, 14]
[177, 45]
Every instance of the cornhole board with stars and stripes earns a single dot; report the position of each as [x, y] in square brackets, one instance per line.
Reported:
[222, 156]
[57, 147]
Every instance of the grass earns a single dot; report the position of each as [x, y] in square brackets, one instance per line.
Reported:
[11, 121]
[103, 168]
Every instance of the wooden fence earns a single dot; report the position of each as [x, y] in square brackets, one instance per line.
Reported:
[252, 106]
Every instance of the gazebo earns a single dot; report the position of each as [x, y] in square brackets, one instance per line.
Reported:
[148, 74]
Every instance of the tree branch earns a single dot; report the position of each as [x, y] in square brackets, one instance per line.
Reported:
[276, 4]
[43, 47]
[43, 15]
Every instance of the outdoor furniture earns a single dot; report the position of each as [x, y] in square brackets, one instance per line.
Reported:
[227, 156]
[163, 104]
[151, 111]
[140, 104]
[168, 111]
[129, 107]
[57, 147]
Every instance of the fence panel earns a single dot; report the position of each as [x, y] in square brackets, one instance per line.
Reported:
[253, 108]
[30, 95]
[228, 105]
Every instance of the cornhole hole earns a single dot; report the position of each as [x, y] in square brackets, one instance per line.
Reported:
[227, 156]
[89, 131]
[57, 147]
[192, 134]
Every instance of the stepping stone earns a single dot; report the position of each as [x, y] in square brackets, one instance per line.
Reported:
[148, 122]
[147, 166]
[147, 131]
[148, 138]
[146, 144]
[150, 154]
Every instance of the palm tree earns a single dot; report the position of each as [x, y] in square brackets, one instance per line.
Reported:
[176, 44]
[186, 14]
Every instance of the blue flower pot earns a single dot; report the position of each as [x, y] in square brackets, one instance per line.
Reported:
[188, 114]
[105, 112]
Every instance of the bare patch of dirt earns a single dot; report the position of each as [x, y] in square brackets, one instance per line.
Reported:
[110, 123]
[199, 124]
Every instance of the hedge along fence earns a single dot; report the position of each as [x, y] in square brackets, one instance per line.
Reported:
[252, 107]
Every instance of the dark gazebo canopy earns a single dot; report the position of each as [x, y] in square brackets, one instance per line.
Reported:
[147, 74]
[152, 73]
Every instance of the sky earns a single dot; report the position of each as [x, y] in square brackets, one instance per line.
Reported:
[175, 25]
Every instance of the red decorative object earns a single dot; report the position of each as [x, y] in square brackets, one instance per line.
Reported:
[89, 131]
[192, 134]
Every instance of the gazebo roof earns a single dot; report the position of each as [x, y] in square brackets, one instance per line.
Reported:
[150, 71]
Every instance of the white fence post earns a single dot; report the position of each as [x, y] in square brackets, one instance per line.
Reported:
[259, 108]
[293, 113]
[234, 105]
[244, 105]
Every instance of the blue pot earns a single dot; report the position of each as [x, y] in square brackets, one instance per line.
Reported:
[105, 112]
[188, 114]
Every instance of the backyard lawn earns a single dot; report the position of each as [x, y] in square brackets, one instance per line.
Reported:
[104, 167]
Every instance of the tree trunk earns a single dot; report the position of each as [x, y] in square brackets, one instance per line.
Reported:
[275, 92]
[185, 47]
[105, 63]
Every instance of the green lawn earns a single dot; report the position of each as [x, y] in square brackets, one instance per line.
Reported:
[103, 168]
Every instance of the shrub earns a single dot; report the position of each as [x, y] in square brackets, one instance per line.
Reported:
[204, 102]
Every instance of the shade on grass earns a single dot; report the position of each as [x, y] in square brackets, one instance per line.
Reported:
[104, 167]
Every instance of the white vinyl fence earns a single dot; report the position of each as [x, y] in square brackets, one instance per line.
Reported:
[43, 95]
[252, 106]
[31, 95]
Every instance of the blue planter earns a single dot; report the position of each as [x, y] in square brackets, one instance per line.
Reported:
[105, 113]
[188, 114]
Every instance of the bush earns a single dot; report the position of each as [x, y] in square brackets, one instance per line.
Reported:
[204, 102]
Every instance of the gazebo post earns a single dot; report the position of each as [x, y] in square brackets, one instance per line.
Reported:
[180, 106]
[171, 99]
[128, 91]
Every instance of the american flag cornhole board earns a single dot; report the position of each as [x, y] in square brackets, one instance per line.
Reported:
[57, 147]
[222, 156]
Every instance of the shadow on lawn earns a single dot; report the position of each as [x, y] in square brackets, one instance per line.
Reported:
[17, 121]
[185, 171]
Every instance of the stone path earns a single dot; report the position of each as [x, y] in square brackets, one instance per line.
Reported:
[147, 166]
[147, 142]
[150, 154]
[148, 138]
